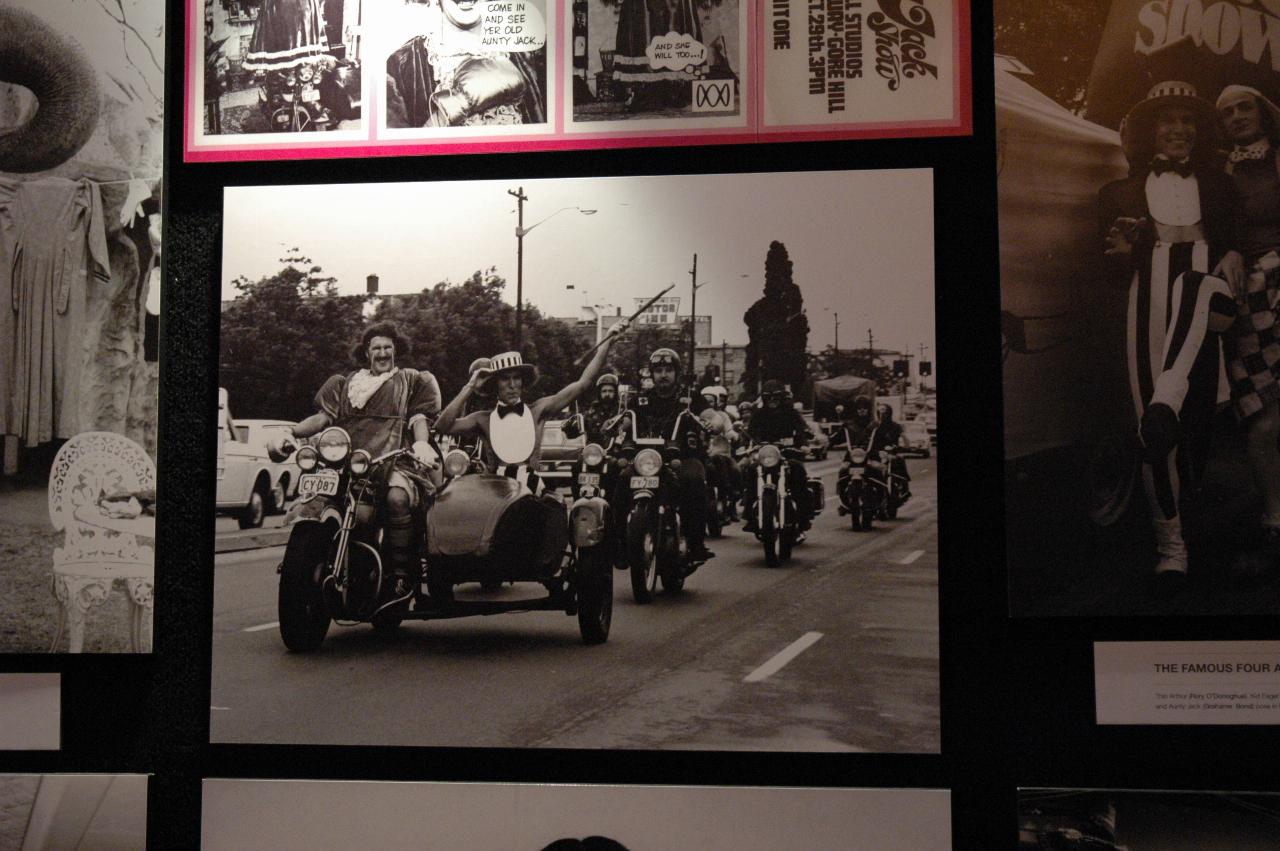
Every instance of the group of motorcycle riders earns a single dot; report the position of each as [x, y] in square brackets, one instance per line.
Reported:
[386, 407]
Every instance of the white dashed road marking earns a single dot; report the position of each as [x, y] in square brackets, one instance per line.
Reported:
[911, 556]
[788, 653]
[262, 626]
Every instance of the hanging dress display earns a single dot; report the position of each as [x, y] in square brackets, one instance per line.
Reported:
[287, 33]
[54, 249]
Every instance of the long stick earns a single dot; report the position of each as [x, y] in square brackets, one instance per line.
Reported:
[648, 304]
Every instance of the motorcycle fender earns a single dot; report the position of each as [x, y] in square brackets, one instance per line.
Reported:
[317, 508]
[588, 520]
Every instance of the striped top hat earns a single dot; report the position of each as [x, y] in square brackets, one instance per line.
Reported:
[510, 362]
[1139, 126]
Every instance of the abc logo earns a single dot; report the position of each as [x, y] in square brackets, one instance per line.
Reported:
[713, 96]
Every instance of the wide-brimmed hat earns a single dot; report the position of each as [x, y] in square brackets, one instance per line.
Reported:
[1264, 103]
[509, 362]
[1140, 124]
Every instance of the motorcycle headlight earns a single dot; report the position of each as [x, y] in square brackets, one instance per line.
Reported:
[858, 456]
[648, 462]
[306, 459]
[305, 73]
[592, 455]
[770, 456]
[334, 445]
[290, 80]
[360, 461]
[456, 463]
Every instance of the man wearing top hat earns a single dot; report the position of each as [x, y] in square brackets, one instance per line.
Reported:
[1252, 125]
[512, 428]
[1172, 228]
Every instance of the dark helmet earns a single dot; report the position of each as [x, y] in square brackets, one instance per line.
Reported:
[607, 379]
[884, 411]
[665, 356]
[773, 387]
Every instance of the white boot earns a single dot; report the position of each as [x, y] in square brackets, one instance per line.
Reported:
[1170, 546]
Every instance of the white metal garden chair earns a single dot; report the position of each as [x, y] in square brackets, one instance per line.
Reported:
[97, 549]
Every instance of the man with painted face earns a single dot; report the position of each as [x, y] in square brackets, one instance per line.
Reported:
[656, 411]
[512, 428]
[383, 407]
[1171, 229]
[1252, 124]
[773, 422]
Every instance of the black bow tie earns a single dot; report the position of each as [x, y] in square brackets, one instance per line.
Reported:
[517, 409]
[1159, 166]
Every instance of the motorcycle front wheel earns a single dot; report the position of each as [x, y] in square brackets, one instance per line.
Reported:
[303, 620]
[642, 554]
[769, 527]
[595, 594]
[715, 511]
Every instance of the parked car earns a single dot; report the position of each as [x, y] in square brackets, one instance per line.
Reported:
[916, 439]
[250, 484]
[819, 445]
[558, 453]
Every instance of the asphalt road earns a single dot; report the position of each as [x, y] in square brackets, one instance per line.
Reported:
[837, 651]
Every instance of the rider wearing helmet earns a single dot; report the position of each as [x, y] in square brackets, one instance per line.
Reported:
[892, 437]
[656, 411]
[719, 423]
[602, 409]
[776, 421]
[862, 430]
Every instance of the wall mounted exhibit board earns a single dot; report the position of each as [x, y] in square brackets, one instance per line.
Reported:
[404, 77]
[876, 678]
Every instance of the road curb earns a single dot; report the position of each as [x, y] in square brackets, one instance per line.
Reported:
[256, 541]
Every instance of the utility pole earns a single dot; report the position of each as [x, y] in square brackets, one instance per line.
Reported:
[724, 360]
[871, 345]
[693, 316]
[520, 199]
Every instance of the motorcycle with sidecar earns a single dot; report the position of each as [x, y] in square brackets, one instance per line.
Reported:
[479, 527]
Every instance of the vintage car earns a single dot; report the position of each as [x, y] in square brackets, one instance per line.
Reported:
[916, 439]
[250, 484]
[559, 452]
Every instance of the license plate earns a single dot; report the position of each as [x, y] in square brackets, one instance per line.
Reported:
[787, 441]
[324, 483]
[588, 478]
[311, 95]
[644, 481]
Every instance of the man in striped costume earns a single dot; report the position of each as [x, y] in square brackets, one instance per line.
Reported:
[1172, 228]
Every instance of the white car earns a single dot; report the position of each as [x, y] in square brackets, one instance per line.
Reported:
[250, 484]
[915, 439]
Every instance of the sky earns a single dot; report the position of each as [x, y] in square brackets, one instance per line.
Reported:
[861, 242]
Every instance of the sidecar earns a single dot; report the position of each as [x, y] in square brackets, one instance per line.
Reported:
[490, 529]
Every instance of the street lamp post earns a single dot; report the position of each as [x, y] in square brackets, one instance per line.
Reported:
[521, 230]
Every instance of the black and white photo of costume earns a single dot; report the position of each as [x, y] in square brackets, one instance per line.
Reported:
[1185, 219]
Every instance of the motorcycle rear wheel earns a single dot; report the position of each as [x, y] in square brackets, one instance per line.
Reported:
[642, 554]
[595, 594]
[769, 529]
[304, 622]
[715, 511]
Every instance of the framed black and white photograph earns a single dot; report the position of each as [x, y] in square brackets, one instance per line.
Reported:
[80, 236]
[1136, 166]
[251, 814]
[686, 463]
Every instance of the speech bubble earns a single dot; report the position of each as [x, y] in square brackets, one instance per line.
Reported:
[675, 52]
[512, 25]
